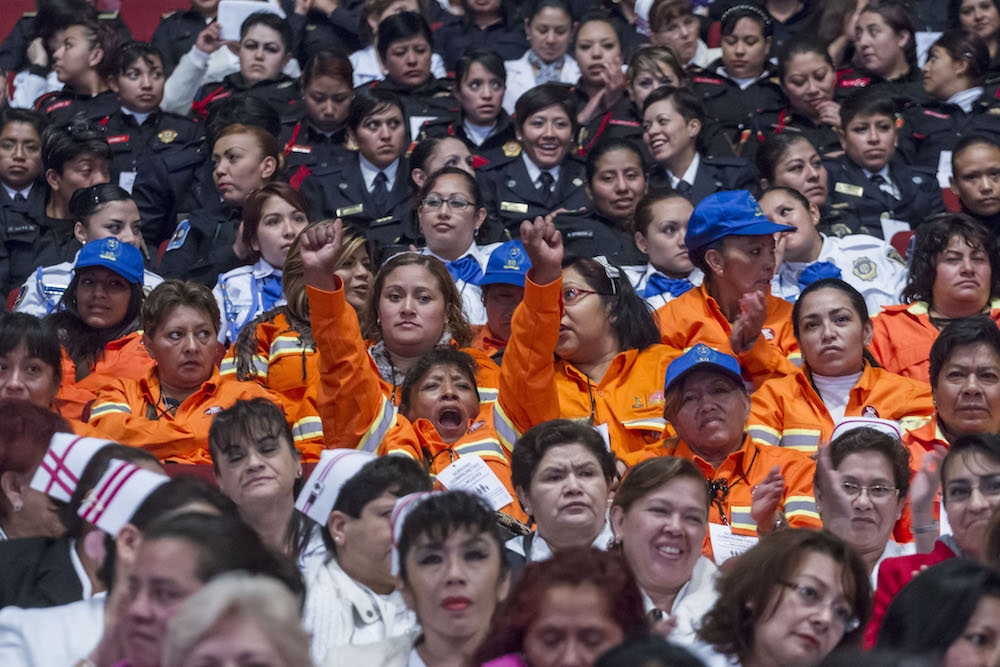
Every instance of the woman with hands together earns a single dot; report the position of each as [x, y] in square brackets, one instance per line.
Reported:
[583, 345]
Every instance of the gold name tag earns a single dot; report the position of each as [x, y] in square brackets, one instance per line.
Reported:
[848, 189]
[350, 210]
[513, 207]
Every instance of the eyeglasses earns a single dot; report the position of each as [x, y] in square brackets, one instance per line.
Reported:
[573, 293]
[810, 598]
[960, 490]
[455, 203]
[875, 491]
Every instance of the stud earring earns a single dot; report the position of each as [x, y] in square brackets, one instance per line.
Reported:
[17, 505]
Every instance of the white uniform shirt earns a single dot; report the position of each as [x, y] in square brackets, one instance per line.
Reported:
[367, 67]
[50, 636]
[240, 298]
[869, 265]
[521, 78]
[640, 275]
[41, 292]
[540, 549]
[340, 611]
[472, 295]
[693, 601]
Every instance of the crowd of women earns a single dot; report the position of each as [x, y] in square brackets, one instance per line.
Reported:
[562, 333]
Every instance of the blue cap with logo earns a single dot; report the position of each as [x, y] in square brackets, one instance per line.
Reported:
[508, 264]
[701, 357]
[122, 258]
[727, 214]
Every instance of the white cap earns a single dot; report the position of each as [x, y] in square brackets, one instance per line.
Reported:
[886, 426]
[124, 486]
[400, 511]
[63, 463]
[335, 468]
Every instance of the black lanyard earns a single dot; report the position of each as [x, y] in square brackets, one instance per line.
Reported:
[720, 487]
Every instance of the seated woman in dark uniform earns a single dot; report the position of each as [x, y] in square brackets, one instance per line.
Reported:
[481, 122]
[139, 126]
[318, 137]
[954, 75]
[493, 25]
[404, 46]
[672, 122]
[538, 174]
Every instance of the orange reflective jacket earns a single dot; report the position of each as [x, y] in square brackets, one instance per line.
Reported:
[125, 358]
[787, 411]
[536, 387]
[289, 368]
[694, 317]
[131, 412]
[904, 336]
[742, 471]
[486, 342]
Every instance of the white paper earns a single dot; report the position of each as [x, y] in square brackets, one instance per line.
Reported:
[944, 170]
[891, 227]
[725, 544]
[126, 181]
[944, 528]
[603, 430]
[232, 14]
[470, 473]
[417, 122]
[924, 41]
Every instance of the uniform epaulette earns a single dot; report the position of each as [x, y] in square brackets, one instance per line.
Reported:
[167, 15]
[108, 16]
[725, 160]
[29, 15]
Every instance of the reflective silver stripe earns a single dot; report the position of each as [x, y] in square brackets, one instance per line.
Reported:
[504, 429]
[371, 440]
[488, 394]
[765, 436]
[227, 366]
[653, 423]
[285, 346]
[307, 427]
[800, 506]
[480, 448]
[105, 408]
[800, 441]
[742, 519]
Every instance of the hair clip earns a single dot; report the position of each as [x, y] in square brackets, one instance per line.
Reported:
[610, 270]
[754, 9]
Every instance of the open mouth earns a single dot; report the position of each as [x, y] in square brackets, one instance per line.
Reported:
[450, 417]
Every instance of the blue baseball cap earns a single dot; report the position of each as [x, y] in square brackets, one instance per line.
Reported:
[122, 258]
[701, 357]
[507, 265]
[726, 214]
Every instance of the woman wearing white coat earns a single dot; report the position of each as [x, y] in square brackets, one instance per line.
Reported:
[550, 29]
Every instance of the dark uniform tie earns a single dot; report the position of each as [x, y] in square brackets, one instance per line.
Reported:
[546, 182]
[380, 191]
[882, 184]
[683, 188]
[19, 198]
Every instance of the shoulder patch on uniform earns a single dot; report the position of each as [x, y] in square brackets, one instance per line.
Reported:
[166, 136]
[512, 149]
[865, 269]
[180, 235]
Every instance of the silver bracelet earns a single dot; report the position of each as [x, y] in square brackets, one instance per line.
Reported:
[924, 530]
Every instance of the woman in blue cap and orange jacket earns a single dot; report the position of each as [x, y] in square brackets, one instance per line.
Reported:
[754, 487]
[503, 288]
[731, 240]
[98, 323]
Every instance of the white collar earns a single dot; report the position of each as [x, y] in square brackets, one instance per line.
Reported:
[883, 172]
[81, 573]
[262, 269]
[369, 606]
[702, 577]
[370, 171]
[478, 133]
[140, 118]
[965, 98]
[471, 250]
[534, 171]
[689, 175]
[540, 549]
[11, 192]
[742, 83]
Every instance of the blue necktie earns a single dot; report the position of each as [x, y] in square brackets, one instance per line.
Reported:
[465, 268]
[271, 292]
[817, 271]
[659, 283]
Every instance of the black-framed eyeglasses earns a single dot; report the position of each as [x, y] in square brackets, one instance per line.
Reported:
[810, 598]
[455, 203]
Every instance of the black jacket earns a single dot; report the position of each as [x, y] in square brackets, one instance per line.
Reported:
[66, 105]
[453, 125]
[714, 174]
[589, 234]
[38, 572]
[454, 38]
[283, 94]
[201, 248]
[933, 127]
[176, 34]
[130, 141]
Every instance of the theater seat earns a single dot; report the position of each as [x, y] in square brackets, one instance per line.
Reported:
[12, 298]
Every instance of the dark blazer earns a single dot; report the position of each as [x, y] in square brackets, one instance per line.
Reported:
[589, 234]
[129, 140]
[864, 205]
[714, 174]
[731, 107]
[283, 93]
[933, 127]
[66, 105]
[318, 31]
[176, 34]
[338, 191]
[201, 248]
[453, 125]
[454, 38]
[38, 572]
[511, 197]
[823, 137]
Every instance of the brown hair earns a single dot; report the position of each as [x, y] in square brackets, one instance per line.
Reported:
[603, 571]
[267, 142]
[652, 58]
[454, 319]
[296, 310]
[751, 590]
[28, 429]
[172, 294]
[991, 541]
[253, 208]
[664, 11]
[328, 63]
[643, 216]
[649, 475]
